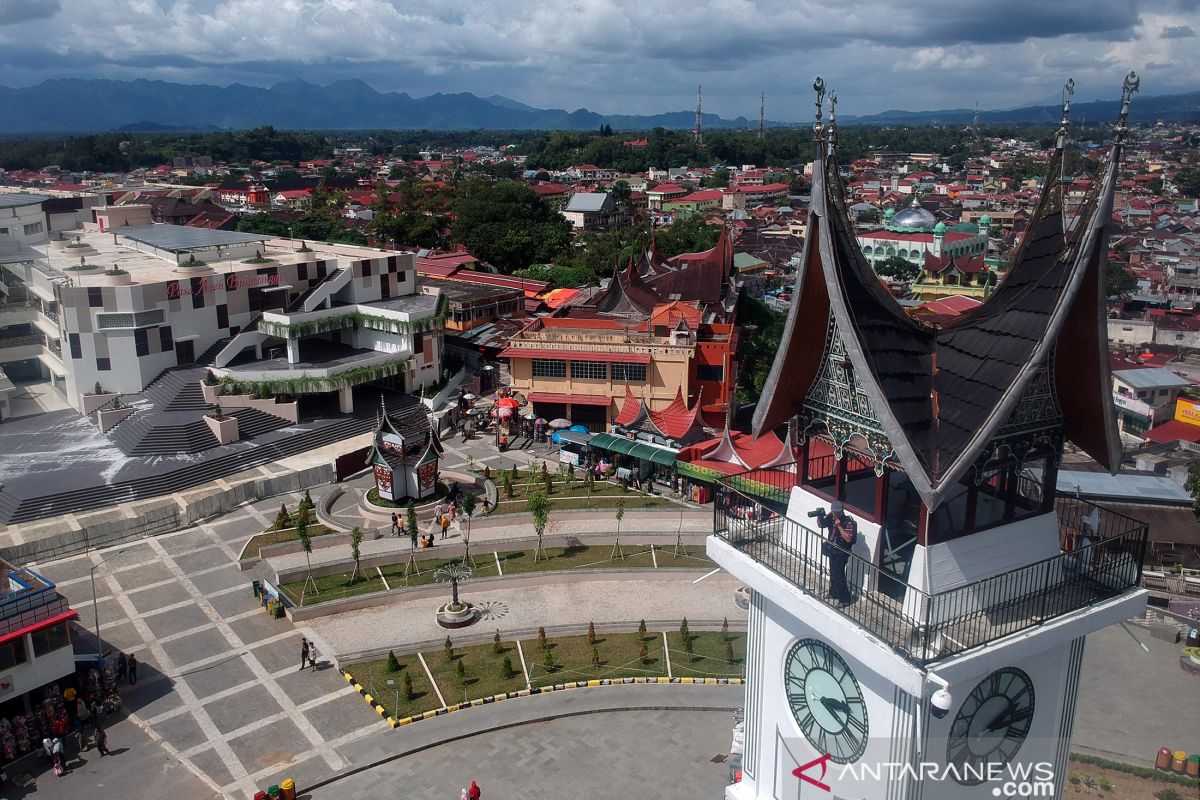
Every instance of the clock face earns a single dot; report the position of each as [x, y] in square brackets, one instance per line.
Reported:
[991, 725]
[826, 701]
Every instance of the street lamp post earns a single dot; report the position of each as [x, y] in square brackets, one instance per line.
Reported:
[96, 606]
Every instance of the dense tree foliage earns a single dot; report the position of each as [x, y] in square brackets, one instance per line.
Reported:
[899, 268]
[756, 350]
[508, 225]
[411, 214]
[689, 233]
[1187, 181]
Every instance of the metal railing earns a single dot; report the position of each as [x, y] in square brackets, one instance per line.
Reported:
[1101, 557]
[22, 341]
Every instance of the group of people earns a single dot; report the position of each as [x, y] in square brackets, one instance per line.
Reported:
[308, 654]
[444, 514]
[471, 792]
[68, 722]
[127, 667]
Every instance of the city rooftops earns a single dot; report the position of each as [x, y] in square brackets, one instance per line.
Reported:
[16, 199]
[1153, 378]
[181, 239]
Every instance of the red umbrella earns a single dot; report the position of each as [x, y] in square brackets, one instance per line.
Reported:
[507, 402]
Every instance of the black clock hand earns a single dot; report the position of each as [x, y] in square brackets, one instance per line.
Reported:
[835, 706]
[1001, 720]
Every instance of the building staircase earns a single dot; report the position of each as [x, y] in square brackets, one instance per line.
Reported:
[248, 336]
[303, 438]
[320, 292]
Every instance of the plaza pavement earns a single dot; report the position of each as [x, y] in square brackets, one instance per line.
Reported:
[221, 709]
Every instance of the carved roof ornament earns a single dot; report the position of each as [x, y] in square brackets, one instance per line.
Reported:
[819, 88]
[832, 136]
[1064, 126]
[1131, 85]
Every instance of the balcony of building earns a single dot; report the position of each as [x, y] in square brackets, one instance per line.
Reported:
[318, 366]
[1100, 556]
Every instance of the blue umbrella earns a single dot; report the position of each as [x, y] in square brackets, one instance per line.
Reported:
[556, 438]
[578, 429]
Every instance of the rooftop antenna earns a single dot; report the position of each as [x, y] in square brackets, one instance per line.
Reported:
[819, 88]
[762, 116]
[698, 133]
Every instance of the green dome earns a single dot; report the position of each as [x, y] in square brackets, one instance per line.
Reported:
[985, 220]
[891, 212]
[939, 229]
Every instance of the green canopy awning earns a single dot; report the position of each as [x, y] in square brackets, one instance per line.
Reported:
[615, 444]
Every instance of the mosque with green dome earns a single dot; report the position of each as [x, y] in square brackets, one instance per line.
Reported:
[951, 257]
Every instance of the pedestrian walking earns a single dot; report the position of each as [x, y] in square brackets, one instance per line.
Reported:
[304, 646]
[473, 792]
[132, 667]
[395, 524]
[58, 757]
[122, 667]
[48, 748]
[102, 741]
[312, 656]
[412, 538]
[445, 523]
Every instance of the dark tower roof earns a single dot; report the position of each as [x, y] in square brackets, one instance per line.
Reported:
[941, 395]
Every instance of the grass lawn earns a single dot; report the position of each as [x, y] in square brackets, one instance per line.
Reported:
[374, 677]
[483, 671]
[572, 658]
[279, 537]
[332, 587]
[708, 655]
[572, 494]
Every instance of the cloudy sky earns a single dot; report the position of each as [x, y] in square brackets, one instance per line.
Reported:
[631, 56]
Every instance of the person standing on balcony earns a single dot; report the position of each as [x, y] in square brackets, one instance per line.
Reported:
[843, 532]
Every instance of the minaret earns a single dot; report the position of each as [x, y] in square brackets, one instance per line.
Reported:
[698, 133]
[762, 116]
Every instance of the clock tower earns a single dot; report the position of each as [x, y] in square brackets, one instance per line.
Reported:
[925, 641]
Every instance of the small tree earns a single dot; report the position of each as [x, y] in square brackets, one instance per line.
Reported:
[725, 625]
[460, 672]
[548, 660]
[468, 508]
[591, 633]
[356, 537]
[620, 515]
[547, 482]
[448, 647]
[643, 653]
[283, 519]
[410, 519]
[506, 668]
[595, 657]
[684, 633]
[409, 694]
[542, 637]
[393, 664]
[687, 645]
[497, 647]
[539, 508]
[728, 652]
[306, 546]
[508, 486]
[642, 629]
[306, 502]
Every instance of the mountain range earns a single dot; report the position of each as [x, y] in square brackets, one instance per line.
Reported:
[79, 105]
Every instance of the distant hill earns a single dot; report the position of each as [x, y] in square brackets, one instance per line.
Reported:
[78, 105]
[1167, 107]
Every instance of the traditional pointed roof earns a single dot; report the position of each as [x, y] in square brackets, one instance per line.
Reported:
[941, 394]
[631, 408]
[725, 450]
[789, 453]
[626, 294]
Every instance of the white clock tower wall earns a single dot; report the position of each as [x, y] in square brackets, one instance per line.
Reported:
[775, 745]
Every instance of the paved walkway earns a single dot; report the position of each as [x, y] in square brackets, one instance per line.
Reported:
[624, 741]
[517, 608]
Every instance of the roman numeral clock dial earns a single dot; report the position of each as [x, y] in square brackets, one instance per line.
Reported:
[991, 725]
[826, 701]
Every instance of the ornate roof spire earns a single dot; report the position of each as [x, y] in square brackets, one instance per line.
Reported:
[832, 133]
[819, 88]
[1132, 84]
[1068, 91]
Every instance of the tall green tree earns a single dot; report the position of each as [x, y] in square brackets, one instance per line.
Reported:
[507, 225]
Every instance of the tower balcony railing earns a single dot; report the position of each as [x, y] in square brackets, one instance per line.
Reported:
[1101, 558]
